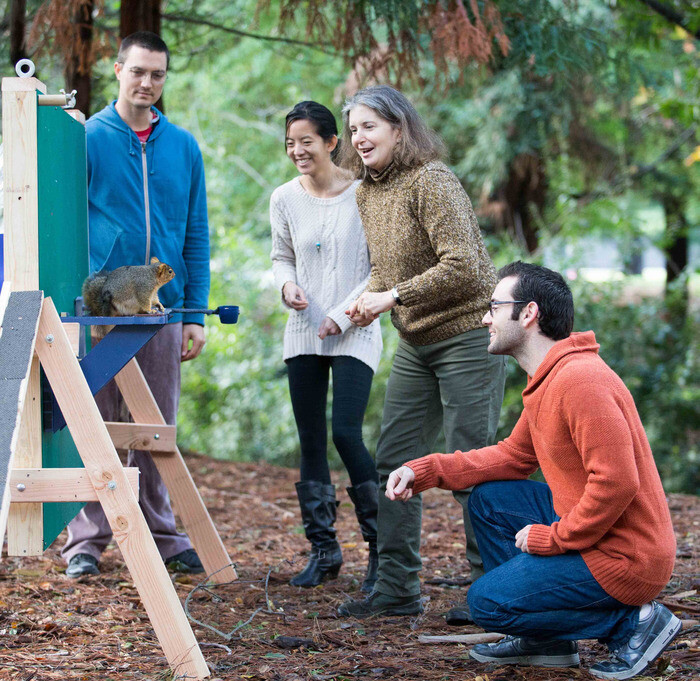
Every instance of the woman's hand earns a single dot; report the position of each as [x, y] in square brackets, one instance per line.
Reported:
[294, 296]
[369, 306]
[400, 484]
[328, 328]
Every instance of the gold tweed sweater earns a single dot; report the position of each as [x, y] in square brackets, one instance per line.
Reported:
[424, 239]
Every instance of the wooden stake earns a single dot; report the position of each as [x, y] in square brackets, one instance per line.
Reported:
[466, 639]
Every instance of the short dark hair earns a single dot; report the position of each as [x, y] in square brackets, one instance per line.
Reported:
[147, 40]
[548, 289]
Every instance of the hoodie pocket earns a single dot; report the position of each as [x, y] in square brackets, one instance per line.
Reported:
[116, 257]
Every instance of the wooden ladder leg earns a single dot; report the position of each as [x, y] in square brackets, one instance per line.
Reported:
[25, 524]
[172, 468]
[116, 496]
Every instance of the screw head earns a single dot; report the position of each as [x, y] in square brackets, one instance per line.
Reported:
[21, 487]
[49, 338]
[112, 484]
[156, 436]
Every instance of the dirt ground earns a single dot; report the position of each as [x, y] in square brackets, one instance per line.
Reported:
[259, 627]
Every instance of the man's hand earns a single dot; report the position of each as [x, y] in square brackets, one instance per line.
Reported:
[400, 484]
[328, 328]
[294, 296]
[369, 306]
[193, 333]
[521, 539]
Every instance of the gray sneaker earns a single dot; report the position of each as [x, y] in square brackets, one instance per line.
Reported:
[529, 652]
[82, 564]
[646, 644]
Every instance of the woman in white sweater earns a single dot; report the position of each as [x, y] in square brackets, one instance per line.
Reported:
[321, 264]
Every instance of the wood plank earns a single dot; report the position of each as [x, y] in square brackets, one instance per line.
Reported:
[73, 331]
[59, 484]
[119, 504]
[20, 182]
[25, 522]
[184, 493]
[156, 438]
[77, 114]
[25, 531]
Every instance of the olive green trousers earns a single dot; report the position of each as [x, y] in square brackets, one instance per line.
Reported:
[452, 384]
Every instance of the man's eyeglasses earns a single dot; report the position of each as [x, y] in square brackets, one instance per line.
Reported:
[140, 74]
[495, 303]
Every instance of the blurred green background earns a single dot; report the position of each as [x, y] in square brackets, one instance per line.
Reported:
[578, 146]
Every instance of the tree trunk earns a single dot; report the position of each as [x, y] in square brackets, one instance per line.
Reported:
[78, 70]
[523, 194]
[18, 25]
[140, 15]
[676, 252]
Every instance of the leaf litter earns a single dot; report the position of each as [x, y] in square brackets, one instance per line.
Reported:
[261, 628]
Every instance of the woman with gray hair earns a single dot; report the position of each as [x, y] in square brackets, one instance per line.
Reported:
[431, 269]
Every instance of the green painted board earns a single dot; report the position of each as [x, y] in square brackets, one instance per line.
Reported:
[63, 261]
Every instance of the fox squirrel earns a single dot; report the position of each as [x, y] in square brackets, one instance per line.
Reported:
[128, 290]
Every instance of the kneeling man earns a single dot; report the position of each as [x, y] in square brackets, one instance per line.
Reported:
[583, 555]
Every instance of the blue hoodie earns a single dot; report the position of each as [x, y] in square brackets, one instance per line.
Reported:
[131, 221]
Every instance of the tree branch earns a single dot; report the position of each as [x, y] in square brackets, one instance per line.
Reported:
[618, 184]
[245, 34]
[671, 15]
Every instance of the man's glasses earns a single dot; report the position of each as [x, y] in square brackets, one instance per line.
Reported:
[495, 303]
[140, 74]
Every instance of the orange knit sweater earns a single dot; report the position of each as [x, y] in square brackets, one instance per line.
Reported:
[580, 425]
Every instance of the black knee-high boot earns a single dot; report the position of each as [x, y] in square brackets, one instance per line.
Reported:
[364, 496]
[318, 506]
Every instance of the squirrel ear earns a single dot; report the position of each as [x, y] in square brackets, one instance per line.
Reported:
[154, 260]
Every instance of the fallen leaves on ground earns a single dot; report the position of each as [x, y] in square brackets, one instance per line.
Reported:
[55, 628]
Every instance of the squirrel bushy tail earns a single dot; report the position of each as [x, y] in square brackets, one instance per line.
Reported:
[95, 298]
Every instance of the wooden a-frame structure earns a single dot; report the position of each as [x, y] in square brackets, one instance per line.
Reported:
[44, 340]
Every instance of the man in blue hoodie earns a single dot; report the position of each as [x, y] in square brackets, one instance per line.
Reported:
[146, 198]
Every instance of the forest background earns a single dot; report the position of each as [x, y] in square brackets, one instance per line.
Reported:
[565, 120]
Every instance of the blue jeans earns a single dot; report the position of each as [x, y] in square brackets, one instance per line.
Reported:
[541, 597]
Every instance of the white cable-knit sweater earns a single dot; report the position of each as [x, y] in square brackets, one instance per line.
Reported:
[319, 244]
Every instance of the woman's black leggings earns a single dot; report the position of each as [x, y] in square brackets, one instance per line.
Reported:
[308, 387]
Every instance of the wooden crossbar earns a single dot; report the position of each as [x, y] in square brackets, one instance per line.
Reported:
[59, 484]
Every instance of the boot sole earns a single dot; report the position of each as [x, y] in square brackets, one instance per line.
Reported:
[673, 628]
[531, 660]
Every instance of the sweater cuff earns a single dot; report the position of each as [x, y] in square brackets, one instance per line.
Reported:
[425, 474]
[407, 293]
[539, 541]
[283, 275]
[193, 318]
[342, 320]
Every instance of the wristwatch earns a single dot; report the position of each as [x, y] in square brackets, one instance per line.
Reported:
[395, 293]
